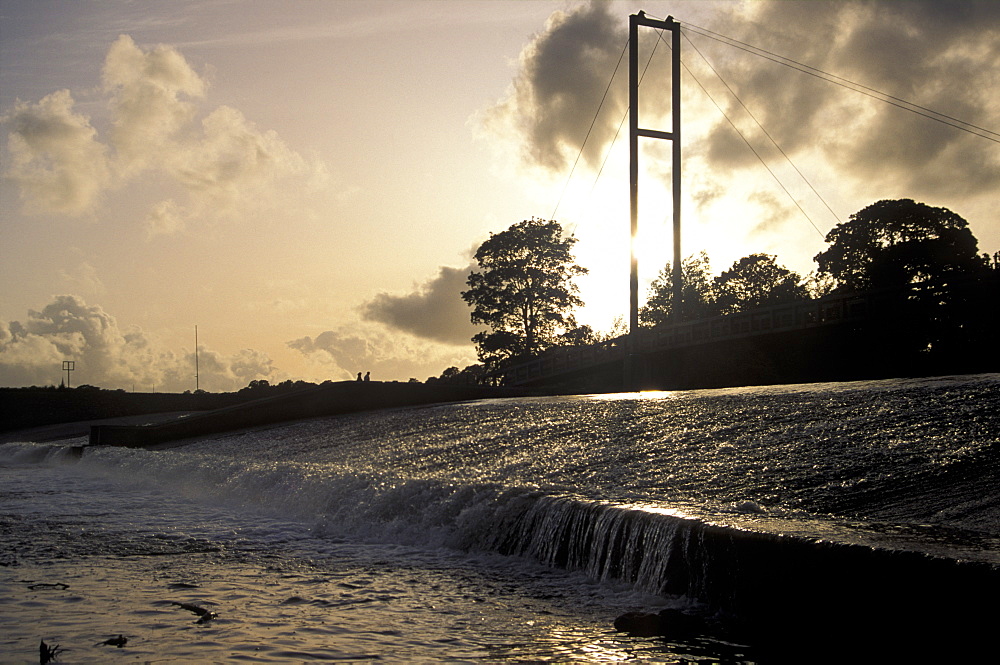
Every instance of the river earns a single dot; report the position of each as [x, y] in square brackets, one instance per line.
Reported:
[819, 522]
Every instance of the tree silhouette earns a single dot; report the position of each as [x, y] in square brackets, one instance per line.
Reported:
[755, 281]
[924, 262]
[471, 375]
[524, 290]
[578, 336]
[896, 243]
[696, 293]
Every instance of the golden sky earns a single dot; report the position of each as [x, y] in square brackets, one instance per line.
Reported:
[305, 181]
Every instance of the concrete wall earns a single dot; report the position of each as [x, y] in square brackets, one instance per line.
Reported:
[328, 399]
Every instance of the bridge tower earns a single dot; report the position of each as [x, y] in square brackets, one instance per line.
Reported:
[632, 378]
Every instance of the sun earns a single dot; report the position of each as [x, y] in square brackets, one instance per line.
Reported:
[597, 213]
[605, 251]
[599, 219]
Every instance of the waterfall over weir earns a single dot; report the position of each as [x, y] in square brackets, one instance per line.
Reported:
[786, 587]
[786, 517]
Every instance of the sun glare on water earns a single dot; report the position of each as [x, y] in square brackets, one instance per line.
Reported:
[643, 394]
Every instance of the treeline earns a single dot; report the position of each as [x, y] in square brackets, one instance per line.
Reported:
[943, 289]
[264, 388]
[890, 245]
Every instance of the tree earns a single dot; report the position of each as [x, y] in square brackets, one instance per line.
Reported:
[696, 293]
[819, 284]
[755, 281]
[619, 328]
[896, 243]
[524, 290]
[578, 336]
[450, 373]
[924, 261]
[471, 375]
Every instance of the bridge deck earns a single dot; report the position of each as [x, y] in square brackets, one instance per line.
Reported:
[831, 310]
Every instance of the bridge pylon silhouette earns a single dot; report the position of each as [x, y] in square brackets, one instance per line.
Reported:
[632, 379]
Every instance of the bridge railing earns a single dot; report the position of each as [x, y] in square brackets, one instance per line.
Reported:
[788, 316]
[564, 359]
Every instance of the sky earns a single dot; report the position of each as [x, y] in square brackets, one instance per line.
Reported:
[307, 181]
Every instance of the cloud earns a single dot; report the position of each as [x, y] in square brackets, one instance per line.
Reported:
[343, 352]
[56, 160]
[31, 353]
[776, 213]
[84, 278]
[942, 56]
[166, 218]
[562, 76]
[233, 165]
[248, 364]
[225, 166]
[434, 310]
[148, 111]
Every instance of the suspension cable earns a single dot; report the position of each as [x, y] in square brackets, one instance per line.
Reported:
[589, 130]
[607, 153]
[878, 95]
[752, 149]
[754, 118]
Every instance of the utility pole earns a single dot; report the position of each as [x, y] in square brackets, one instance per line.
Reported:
[196, 386]
[635, 21]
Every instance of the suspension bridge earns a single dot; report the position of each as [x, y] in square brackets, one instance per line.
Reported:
[807, 340]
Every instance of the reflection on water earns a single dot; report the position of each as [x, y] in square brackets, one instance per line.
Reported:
[640, 395]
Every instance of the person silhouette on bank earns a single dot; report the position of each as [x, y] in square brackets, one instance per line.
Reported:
[359, 376]
[367, 376]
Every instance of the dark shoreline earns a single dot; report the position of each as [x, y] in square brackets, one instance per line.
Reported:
[62, 431]
[33, 408]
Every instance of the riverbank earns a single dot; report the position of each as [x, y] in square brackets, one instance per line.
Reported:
[81, 428]
[29, 408]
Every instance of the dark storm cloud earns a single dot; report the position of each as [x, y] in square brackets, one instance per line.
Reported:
[563, 75]
[434, 311]
[942, 56]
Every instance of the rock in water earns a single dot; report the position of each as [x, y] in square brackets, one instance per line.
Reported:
[665, 623]
[674, 623]
[640, 624]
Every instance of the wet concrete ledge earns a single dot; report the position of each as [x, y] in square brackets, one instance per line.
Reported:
[325, 400]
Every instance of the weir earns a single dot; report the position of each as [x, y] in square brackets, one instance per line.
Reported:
[785, 589]
[325, 400]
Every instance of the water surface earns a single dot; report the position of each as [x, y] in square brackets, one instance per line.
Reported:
[519, 529]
